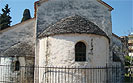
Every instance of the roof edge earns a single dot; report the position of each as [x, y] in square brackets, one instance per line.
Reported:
[100, 1]
[35, 8]
[40, 37]
[106, 5]
[116, 36]
[36, 4]
[14, 26]
[41, 1]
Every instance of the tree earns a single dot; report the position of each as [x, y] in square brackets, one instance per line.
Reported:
[26, 15]
[5, 18]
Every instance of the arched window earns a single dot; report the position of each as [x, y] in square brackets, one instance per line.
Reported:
[80, 52]
[17, 66]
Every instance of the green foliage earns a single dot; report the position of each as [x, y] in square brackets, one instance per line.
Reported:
[5, 19]
[26, 15]
[128, 59]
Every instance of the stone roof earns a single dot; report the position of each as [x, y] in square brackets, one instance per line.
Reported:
[21, 32]
[73, 24]
[20, 49]
[16, 25]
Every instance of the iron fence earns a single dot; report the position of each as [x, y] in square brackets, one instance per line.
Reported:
[65, 74]
[80, 75]
[8, 74]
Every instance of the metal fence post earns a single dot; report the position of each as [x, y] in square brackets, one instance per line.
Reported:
[106, 73]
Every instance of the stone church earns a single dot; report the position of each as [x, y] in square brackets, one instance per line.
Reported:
[62, 33]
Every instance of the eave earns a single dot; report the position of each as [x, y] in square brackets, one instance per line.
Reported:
[106, 5]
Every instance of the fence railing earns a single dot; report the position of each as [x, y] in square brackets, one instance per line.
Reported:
[25, 74]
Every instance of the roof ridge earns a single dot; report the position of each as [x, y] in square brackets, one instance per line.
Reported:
[14, 26]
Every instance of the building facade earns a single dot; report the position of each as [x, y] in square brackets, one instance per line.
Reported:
[62, 25]
[130, 42]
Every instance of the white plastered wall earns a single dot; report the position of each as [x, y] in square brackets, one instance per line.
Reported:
[58, 50]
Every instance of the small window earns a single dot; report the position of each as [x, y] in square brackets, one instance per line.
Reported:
[80, 52]
[17, 66]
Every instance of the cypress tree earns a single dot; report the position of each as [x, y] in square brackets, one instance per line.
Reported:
[26, 15]
[5, 19]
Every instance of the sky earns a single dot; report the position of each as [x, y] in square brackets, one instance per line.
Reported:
[122, 15]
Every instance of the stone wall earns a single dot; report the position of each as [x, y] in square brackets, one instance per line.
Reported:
[117, 48]
[9, 74]
[52, 11]
[120, 49]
